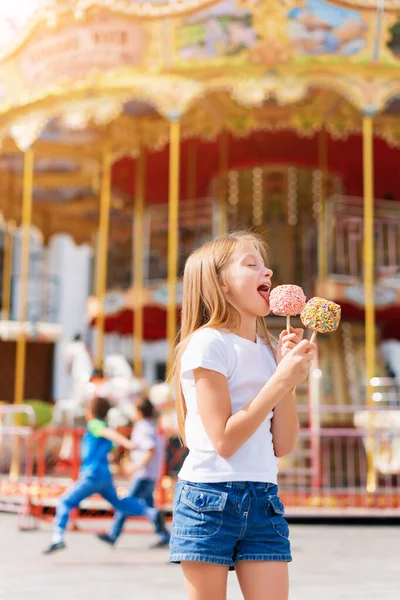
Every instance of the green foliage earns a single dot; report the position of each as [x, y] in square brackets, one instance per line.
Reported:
[43, 413]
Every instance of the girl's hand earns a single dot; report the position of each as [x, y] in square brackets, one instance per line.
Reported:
[289, 340]
[294, 366]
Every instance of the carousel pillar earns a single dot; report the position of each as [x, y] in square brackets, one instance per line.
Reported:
[369, 271]
[322, 225]
[223, 158]
[7, 270]
[102, 247]
[173, 238]
[20, 361]
[138, 260]
[23, 291]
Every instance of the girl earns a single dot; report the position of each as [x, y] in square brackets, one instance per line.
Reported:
[147, 461]
[237, 414]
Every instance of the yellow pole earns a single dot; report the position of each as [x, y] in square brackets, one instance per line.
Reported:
[222, 180]
[140, 177]
[23, 292]
[7, 270]
[173, 238]
[102, 247]
[368, 173]
[20, 360]
[322, 226]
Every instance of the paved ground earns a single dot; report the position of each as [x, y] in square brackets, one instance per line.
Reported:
[331, 563]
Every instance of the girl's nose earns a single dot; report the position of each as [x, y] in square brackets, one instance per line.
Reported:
[268, 272]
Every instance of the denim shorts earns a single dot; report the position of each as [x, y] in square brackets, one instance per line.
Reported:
[225, 523]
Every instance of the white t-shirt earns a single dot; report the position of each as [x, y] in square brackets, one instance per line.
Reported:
[145, 437]
[247, 366]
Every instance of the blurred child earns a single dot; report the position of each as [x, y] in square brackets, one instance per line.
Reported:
[95, 476]
[147, 459]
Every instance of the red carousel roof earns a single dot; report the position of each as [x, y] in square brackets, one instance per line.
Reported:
[284, 147]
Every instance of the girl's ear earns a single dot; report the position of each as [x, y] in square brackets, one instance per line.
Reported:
[224, 287]
[223, 284]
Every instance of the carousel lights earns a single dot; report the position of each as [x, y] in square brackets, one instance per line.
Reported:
[79, 14]
[316, 192]
[292, 196]
[317, 374]
[257, 179]
[25, 132]
[349, 362]
[233, 197]
[75, 120]
[166, 482]
[107, 111]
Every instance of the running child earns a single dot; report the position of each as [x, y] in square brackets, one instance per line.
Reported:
[147, 459]
[95, 476]
[237, 413]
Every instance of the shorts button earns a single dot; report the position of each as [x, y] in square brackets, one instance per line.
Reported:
[200, 500]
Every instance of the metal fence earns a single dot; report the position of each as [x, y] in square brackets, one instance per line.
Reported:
[330, 470]
[327, 474]
[16, 461]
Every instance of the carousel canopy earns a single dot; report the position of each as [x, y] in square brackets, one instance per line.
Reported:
[76, 75]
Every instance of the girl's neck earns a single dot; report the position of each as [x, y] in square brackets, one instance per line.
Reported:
[247, 328]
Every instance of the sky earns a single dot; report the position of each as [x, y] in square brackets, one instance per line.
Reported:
[334, 15]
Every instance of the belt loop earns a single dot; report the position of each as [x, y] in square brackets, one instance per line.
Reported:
[229, 484]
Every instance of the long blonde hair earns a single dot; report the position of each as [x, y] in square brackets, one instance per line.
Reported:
[204, 303]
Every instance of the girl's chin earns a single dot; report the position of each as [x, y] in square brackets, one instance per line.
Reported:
[265, 312]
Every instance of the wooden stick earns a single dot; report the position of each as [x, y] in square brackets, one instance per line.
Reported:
[313, 337]
[288, 323]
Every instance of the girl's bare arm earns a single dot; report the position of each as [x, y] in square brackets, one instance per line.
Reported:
[285, 425]
[227, 431]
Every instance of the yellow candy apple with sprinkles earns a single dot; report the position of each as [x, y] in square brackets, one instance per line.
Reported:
[321, 315]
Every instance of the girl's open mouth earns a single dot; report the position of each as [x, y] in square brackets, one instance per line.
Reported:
[263, 290]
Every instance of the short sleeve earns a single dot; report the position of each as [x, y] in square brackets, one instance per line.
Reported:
[96, 427]
[147, 438]
[206, 349]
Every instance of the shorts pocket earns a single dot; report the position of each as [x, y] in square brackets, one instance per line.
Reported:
[198, 513]
[275, 511]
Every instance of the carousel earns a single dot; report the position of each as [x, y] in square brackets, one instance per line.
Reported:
[131, 132]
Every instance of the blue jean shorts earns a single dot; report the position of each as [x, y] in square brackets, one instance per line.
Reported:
[225, 523]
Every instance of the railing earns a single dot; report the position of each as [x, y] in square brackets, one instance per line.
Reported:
[326, 474]
[328, 470]
[345, 236]
[56, 465]
[16, 460]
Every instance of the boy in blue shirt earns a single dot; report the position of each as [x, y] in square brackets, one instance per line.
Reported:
[95, 477]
